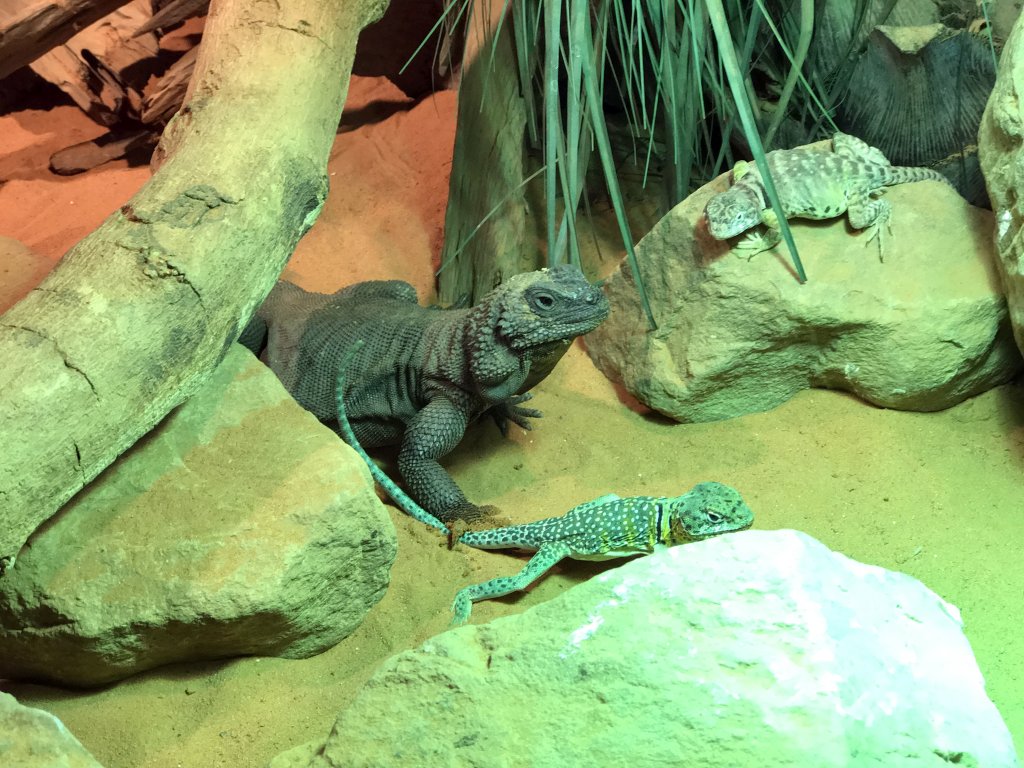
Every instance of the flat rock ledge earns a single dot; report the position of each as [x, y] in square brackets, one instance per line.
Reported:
[921, 331]
[239, 526]
[32, 738]
[746, 650]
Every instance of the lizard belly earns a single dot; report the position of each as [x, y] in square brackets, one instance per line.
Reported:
[609, 555]
[813, 196]
[383, 402]
[817, 210]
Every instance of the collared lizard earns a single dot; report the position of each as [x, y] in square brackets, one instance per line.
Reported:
[424, 374]
[812, 184]
[605, 528]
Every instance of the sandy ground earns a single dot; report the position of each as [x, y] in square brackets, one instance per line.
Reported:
[936, 495]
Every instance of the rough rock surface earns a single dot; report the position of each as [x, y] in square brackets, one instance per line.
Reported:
[32, 738]
[921, 331]
[239, 526]
[1001, 153]
[749, 649]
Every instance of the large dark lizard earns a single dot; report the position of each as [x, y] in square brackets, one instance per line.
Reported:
[422, 374]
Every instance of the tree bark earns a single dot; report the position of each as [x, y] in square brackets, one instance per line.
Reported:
[136, 315]
[488, 168]
[166, 96]
[32, 27]
[104, 68]
[172, 13]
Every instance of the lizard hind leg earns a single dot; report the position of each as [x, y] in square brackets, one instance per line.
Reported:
[873, 215]
[544, 559]
[850, 146]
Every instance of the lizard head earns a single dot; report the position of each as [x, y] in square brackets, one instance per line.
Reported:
[708, 510]
[732, 212]
[537, 308]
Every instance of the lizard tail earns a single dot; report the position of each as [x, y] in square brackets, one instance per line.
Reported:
[901, 174]
[401, 498]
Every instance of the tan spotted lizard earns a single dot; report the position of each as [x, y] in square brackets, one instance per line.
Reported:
[812, 184]
[605, 528]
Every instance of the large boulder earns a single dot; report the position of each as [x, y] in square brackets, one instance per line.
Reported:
[32, 738]
[749, 649]
[240, 526]
[921, 331]
[1001, 153]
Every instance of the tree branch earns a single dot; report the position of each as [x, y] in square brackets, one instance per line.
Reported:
[137, 314]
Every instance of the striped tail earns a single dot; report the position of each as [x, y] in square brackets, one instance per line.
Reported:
[903, 174]
[390, 487]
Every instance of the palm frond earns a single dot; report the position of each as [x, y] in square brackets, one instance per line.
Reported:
[735, 77]
[681, 72]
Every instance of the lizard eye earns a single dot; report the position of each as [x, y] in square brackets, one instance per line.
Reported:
[542, 300]
[713, 517]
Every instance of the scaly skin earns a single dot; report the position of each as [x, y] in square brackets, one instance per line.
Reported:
[604, 528]
[422, 374]
[812, 184]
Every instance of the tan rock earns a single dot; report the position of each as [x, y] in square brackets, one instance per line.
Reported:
[921, 331]
[32, 738]
[240, 526]
[1001, 154]
[752, 649]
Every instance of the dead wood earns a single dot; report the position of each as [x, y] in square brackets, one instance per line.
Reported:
[489, 233]
[174, 12]
[136, 315]
[103, 68]
[167, 94]
[30, 28]
[91, 154]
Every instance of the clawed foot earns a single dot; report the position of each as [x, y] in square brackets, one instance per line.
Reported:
[755, 243]
[470, 517]
[509, 411]
[875, 233]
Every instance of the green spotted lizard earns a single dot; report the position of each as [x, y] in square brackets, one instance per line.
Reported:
[812, 184]
[605, 528]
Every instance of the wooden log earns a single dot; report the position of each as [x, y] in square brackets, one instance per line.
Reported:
[136, 315]
[30, 28]
[103, 67]
[90, 154]
[167, 95]
[174, 12]
[488, 167]
[384, 47]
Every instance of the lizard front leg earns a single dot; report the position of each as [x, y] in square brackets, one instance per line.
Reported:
[512, 411]
[755, 242]
[435, 430]
[741, 169]
[864, 212]
[544, 559]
